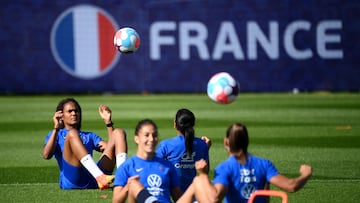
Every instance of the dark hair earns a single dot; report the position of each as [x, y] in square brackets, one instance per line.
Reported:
[60, 107]
[238, 138]
[143, 122]
[184, 122]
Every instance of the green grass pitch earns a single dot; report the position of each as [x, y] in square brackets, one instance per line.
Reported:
[320, 129]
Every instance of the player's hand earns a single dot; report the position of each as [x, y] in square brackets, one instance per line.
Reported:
[105, 113]
[57, 118]
[201, 166]
[101, 146]
[305, 170]
[134, 185]
[133, 179]
[207, 141]
[133, 182]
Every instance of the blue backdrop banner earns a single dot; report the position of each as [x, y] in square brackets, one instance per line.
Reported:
[268, 46]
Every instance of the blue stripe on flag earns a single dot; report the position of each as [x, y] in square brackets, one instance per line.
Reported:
[65, 41]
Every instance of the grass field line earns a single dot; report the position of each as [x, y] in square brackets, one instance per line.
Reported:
[45, 184]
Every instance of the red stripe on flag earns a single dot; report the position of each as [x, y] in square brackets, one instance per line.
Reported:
[106, 37]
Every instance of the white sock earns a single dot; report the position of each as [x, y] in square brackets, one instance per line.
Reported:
[88, 162]
[120, 159]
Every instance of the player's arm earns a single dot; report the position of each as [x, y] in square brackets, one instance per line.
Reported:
[205, 191]
[49, 148]
[120, 194]
[105, 113]
[292, 184]
[208, 143]
[130, 190]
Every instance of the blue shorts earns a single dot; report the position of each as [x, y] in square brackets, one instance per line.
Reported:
[72, 177]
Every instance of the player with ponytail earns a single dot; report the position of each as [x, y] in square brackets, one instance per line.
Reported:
[184, 122]
[184, 149]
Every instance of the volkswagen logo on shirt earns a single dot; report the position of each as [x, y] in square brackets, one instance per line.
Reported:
[154, 180]
[247, 189]
[82, 41]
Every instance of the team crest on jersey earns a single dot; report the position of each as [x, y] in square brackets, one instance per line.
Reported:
[82, 41]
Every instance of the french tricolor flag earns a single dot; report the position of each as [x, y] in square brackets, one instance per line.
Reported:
[82, 41]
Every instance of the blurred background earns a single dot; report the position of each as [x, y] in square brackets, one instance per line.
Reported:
[268, 46]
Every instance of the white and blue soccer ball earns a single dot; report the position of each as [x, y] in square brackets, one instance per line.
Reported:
[127, 40]
[223, 88]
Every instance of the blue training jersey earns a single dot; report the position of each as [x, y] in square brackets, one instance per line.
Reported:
[79, 176]
[174, 150]
[157, 175]
[242, 180]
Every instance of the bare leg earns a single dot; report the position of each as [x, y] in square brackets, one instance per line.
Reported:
[117, 144]
[120, 141]
[205, 190]
[76, 154]
[74, 149]
[133, 192]
[188, 195]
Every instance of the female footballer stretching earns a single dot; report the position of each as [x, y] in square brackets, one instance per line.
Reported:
[240, 175]
[73, 148]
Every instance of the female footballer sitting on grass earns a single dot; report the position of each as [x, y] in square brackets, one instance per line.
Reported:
[73, 148]
[240, 175]
[157, 175]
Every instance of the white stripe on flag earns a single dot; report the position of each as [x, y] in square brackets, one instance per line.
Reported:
[86, 41]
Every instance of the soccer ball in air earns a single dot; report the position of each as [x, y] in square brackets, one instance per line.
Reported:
[222, 88]
[127, 40]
